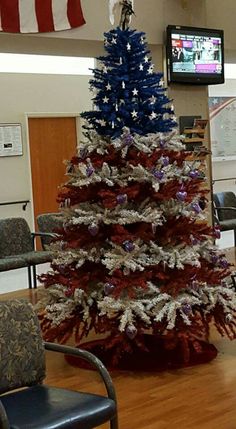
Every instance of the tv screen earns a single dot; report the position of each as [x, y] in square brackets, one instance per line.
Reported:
[195, 55]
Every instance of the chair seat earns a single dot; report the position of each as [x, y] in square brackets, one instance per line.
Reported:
[11, 263]
[37, 406]
[227, 224]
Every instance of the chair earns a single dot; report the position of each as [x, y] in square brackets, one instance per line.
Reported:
[49, 224]
[35, 405]
[17, 248]
[225, 211]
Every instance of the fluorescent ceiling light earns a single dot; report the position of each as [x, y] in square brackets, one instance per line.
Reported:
[45, 64]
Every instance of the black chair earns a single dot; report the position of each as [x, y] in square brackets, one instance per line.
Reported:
[224, 204]
[25, 402]
[49, 224]
[17, 248]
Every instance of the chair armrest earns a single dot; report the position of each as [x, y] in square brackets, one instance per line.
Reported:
[89, 357]
[44, 234]
[226, 208]
[4, 423]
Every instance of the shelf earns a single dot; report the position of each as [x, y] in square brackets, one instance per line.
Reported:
[194, 131]
[196, 157]
[193, 140]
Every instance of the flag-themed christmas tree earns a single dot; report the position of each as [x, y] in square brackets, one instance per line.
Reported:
[135, 260]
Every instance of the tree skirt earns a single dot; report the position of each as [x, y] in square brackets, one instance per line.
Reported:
[158, 358]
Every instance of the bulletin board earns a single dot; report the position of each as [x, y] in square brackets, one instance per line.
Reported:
[223, 128]
[10, 140]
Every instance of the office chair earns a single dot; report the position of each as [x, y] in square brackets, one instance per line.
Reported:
[224, 204]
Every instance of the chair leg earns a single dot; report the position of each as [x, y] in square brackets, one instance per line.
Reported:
[114, 423]
[34, 276]
[235, 237]
[29, 277]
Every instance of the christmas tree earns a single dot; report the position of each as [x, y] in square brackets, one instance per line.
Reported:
[136, 258]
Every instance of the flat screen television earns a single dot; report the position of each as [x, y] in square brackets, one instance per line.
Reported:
[195, 55]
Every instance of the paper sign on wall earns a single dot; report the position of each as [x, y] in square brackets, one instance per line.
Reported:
[10, 140]
[223, 127]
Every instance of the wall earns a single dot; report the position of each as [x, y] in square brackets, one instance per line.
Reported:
[222, 15]
[224, 169]
[28, 93]
[151, 16]
[22, 93]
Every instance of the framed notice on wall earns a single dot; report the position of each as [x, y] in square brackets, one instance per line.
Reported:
[10, 140]
[223, 128]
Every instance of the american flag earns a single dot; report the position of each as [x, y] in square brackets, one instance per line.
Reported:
[37, 16]
[216, 104]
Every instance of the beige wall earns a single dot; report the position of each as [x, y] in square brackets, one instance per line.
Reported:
[151, 16]
[23, 93]
[222, 15]
[29, 93]
[224, 169]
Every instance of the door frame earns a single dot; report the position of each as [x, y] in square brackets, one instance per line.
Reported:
[46, 115]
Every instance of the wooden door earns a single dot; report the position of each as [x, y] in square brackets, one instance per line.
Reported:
[52, 140]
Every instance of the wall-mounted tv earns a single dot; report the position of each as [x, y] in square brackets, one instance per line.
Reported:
[195, 55]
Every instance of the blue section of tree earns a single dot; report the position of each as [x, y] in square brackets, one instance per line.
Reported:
[128, 93]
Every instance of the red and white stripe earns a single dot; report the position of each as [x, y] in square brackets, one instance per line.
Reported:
[37, 16]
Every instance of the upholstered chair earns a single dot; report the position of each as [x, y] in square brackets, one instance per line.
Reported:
[17, 248]
[225, 211]
[49, 224]
[25, 401]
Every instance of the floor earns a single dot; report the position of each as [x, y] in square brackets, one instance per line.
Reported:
[18, 279]
[199, 397]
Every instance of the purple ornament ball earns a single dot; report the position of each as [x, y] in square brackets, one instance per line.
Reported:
[89, 170]
[162, 143]
[108, 288]
[196, 208]
[194, 285]
[131, 331]
[93, 229]
[224, 263]
[128, 246]
[165, 161]
[158, 174]
[61, 269]
[187, 309]
[128, 140]
[181, 195]
[121, 198]
[83, 153]
[214, 259]
[193, 174]
[194, 241]
[217, 233]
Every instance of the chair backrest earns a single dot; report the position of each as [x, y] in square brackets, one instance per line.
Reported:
[216, 220]
[225, 199]
[15, 237]
[22, 357]
[51, 223]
